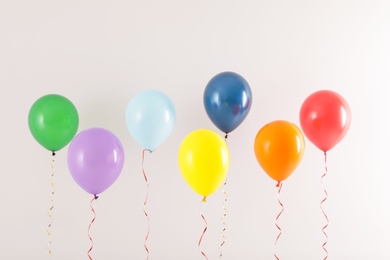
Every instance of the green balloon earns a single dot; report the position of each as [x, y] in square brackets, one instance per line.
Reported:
[53, 121]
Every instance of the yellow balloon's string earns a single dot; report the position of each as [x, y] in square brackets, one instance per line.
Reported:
[204, 230]
[49, 212]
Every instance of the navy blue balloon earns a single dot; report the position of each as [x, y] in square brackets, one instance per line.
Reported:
[227, 100]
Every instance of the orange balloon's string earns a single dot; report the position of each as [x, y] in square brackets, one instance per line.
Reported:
[49, 212]
[323, 212]
[95, 197]
[277, 217]
[145, 202]
[225, 211]
[205, 229]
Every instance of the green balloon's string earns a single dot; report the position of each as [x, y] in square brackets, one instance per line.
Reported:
[49, 212]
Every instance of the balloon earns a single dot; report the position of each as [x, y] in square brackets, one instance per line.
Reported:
[279, 148]
[227, 100]
[150, 117]
[95, 159]
[53, 121]
[203, 161]
[325, 118]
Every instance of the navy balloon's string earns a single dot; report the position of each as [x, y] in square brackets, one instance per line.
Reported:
[49, 212]
[277, 217]
[145, 202]
[90, 224]
[224, 225]
[323, 212]
[205, 229]
[225, 211]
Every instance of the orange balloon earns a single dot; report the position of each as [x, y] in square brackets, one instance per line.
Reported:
[279, 148]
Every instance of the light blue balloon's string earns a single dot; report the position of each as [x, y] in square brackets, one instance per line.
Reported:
[49, 212]
[205, 228]
[323, 211]
[145, 202]
[277, 217]
[95, 197]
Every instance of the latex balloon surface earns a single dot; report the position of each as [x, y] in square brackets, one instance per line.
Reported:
[279, 147]
[53, 121]
[325, 118]
[95, 159]
[150, 118]
[227, 100]
[203, 161]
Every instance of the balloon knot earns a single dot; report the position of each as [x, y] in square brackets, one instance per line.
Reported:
[226, 136]
[204, 199]
[278, 184]
[53, 153]
[96, 196]
[324, 152]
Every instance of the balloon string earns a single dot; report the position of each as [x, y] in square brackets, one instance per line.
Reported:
[223, 219]
[145, 202]
[323, 212]
[225, 211]
[205, 229]
[95, 197]
[277, 217]
[49, 212]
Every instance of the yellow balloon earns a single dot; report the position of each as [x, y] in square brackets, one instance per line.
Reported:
[204, 161]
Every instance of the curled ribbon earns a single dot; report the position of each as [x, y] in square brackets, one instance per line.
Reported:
[205, 229]
[145, 202]
[323, 211]
[90, 224]
[277, 217]
[49, 212]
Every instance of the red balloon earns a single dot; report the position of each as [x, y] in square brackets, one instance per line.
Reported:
[325, 118]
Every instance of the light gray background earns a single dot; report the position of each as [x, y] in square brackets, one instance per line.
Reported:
[101, 53]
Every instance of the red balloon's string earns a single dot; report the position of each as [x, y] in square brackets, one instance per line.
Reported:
[323, 212]
[205, 229]
[90, 224]
[145, 202]
[277, 217]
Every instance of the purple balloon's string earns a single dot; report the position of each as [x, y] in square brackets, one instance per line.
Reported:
[95, 197]
[145, 202]
[323, 212]
[225, 211]
[49, 212]
[277, 217]
[205, 229]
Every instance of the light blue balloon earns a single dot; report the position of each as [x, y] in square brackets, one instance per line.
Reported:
[150, 117]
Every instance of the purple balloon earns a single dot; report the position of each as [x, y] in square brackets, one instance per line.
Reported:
[95, 159]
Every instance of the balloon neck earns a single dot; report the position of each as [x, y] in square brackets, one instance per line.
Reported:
[325, 153]
[226, 136]
[278, 184]
[204, 199]
[95, 196]
[53, 153]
